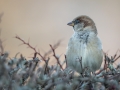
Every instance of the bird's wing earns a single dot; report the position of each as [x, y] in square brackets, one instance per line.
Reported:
[92, 53]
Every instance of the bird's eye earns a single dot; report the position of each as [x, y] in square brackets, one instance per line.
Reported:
[76, 21]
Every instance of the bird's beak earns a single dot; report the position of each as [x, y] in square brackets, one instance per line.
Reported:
[70, 24]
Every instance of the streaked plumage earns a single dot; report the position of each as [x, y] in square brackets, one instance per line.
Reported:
[84, 43]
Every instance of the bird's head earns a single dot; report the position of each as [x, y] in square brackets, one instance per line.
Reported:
[82, 23]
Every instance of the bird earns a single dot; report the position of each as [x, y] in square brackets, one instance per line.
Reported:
[84, 48]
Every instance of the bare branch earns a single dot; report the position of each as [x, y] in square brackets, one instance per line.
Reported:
[26, 43]
[117, 58]
[35, 54]
[66, 60]
[54, 46]
[56, 57]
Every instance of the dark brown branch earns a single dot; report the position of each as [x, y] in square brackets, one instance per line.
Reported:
[66, 60]
[105, 64]
[35, 54]
[46, 66]
[117, 58]
[26, 43]
[115, 54]
[54, 46]
[56, 57]
[41, 56]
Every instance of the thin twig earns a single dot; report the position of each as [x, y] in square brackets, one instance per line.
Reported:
[46, 66]
[105, 64]
[66, 60]
[56, 57]
[115, 54]
[80, 60]
[35, 54]
[54, 46]
[26, 43]
[117, 58]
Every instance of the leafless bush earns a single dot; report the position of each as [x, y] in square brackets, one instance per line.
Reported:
[21, 74]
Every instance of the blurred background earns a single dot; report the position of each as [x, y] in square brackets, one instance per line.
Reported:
[45, 22]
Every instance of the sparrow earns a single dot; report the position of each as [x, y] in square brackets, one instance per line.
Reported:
[84, 48]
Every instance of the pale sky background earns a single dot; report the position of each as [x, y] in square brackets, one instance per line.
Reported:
[45, 22]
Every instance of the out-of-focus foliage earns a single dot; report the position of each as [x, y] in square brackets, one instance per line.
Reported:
[22, 74]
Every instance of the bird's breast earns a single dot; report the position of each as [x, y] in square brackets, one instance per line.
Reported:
[87, 46]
